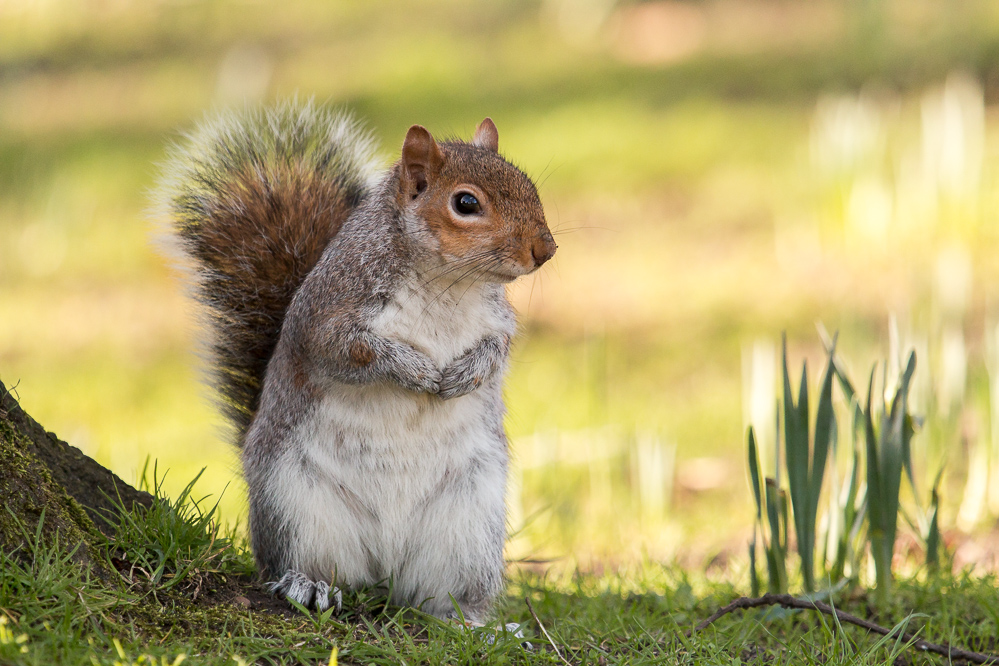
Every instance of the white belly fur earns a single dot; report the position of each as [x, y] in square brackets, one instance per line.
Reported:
[377, 454]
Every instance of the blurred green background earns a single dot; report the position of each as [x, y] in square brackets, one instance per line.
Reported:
[716, 172]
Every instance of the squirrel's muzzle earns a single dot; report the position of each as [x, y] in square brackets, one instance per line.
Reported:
[543, 248]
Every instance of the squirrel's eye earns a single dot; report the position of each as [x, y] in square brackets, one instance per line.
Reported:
[466, 204]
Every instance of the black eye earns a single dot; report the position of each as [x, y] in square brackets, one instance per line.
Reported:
[466, 204]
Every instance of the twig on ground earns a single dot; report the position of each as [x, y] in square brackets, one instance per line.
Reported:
[545, 631]
[788, 601]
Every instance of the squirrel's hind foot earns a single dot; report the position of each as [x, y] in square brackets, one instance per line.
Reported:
[490, 633]
[314, 595]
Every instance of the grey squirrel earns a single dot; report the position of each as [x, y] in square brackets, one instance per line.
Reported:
[360, 334]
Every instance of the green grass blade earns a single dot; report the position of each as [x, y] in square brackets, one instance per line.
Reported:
[854, 545]
[891, 461]
[890, 464]
[803, 399]
[754, 471]
[825, 428]
[875, 494]
[835, 527]
[796, 459]
[849, 392]
[782, 498]
[870, 441]
[804, 514]
[933, 530]
[907, 429]
[850, 514]
[897, 436]
[777, 548]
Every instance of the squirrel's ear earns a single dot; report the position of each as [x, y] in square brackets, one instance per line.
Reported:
[486, 136]
[421, 158]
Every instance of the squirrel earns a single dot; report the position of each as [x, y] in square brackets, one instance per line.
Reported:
[360, 332]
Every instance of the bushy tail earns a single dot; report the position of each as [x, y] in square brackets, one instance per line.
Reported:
[253, 199]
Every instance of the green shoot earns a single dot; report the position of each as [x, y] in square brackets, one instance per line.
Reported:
[805, 460]
[885, 462]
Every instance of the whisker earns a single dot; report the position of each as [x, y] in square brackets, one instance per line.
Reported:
[545, 179]
[569, 230]
[435, 273]
[530, 298]
[455, 265]
[485, 269]
[541, 179]
[440, 294]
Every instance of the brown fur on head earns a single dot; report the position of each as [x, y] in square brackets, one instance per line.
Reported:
[501, 229]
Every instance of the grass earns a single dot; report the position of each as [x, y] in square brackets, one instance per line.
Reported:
[55, 613]
[175, 542]
[51, 611]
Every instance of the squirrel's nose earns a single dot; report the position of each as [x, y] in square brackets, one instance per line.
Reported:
[543, 249]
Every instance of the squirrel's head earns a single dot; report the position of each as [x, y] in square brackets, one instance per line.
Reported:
[478, 207]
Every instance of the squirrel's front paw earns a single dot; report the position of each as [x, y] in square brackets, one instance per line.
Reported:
[300, 588]
[456, 382]
[422, 376]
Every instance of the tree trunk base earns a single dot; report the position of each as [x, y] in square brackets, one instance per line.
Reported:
[41, 475]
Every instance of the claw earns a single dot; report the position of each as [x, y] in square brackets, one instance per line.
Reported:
[322, 596]
[277, 587]
[298, 587]
[514, 629]
[302, 590]
[325, 596]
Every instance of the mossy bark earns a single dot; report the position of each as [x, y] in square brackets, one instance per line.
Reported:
[40, 475]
